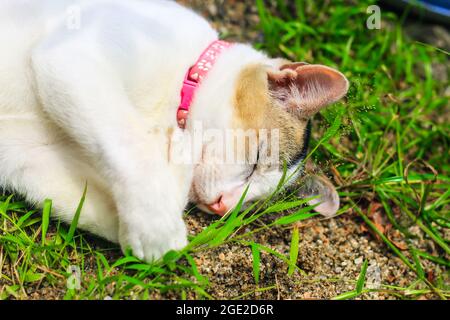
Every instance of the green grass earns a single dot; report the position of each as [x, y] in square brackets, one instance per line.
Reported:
[386, 146]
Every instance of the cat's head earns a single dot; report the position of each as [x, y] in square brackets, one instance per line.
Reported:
[267, 104]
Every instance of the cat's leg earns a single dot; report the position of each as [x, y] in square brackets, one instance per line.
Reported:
[40, 164]
[81, 90]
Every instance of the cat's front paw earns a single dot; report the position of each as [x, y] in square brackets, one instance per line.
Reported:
[150, 240]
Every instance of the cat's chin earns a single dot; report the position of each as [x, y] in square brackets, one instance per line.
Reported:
[206, 209]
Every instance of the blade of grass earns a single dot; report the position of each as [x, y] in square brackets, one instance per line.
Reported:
[362, 277]
[46, 211]
[256, 254]
[293, 252]
[393, 248]
[74, 224]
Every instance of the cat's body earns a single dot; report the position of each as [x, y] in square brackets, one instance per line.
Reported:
[96, 103]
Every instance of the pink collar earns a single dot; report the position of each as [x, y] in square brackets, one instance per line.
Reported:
[195, 75]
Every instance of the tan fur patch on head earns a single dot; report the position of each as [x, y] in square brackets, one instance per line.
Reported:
[252, 101]
[256, 109]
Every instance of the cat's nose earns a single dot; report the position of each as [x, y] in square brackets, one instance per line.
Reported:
[218, 207]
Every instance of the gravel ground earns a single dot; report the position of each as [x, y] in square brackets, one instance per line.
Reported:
[234, 19]
[331, 253]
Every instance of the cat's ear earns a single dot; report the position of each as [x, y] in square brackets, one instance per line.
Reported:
[325, 194]
[305, 89]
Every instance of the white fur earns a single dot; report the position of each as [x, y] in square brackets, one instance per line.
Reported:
[93, 105]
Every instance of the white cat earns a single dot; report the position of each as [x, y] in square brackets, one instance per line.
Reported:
[89, 92]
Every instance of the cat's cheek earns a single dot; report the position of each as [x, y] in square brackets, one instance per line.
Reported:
[231, 199]
[205, 209]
